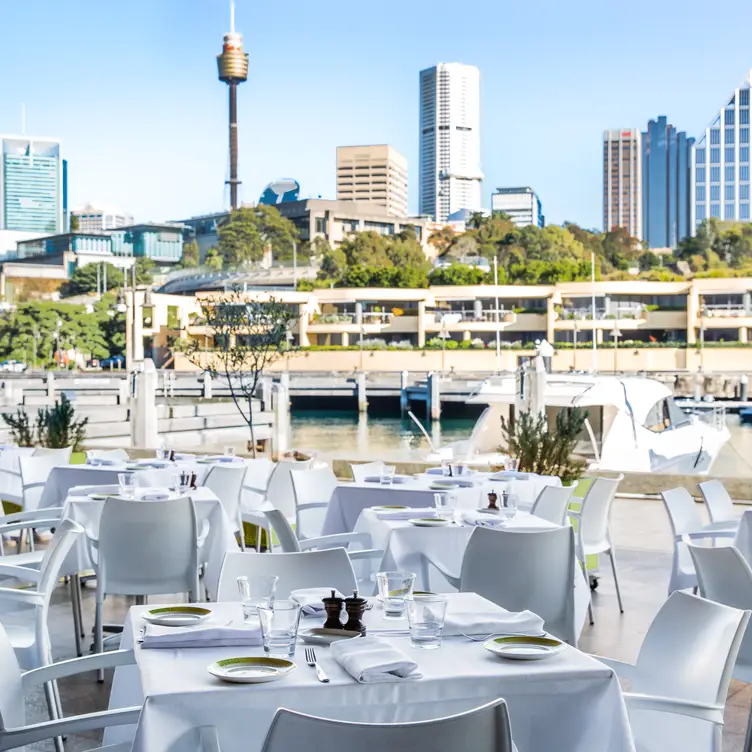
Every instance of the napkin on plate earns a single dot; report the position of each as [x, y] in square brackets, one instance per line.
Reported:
[156, 636]
[413, 513]
[395, 479]
[155, 496]
[510, 475]
[478, 519]
[371, 660]
[492, 623]
[310, 599]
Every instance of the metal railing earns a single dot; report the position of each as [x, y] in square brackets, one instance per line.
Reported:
[725, 311]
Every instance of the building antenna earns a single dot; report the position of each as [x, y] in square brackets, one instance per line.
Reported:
[232, 16]
[23, 118]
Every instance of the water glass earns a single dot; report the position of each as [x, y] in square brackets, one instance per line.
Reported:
[387, 475]
[127, 483]
[183, 481]
[279, 627]
[425, 618]
[394, 588]
[509, 506]
[229, 451]
[512, 464]
[445, 504]
[163, 454]
[255, 591]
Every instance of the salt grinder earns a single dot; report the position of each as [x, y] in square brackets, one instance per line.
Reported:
[355, 608]
[333, 606]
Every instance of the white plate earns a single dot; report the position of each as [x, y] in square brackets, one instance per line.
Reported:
[428, 522]
[396, 479]
[176, 616]
[251, 670]
[524, 647]
[321, 636]
[395, 508]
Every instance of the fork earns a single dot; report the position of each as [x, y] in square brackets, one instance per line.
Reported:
[310, 657]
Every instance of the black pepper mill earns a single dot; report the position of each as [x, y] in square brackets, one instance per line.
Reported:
[333, 606]
[194, 480]
[492, 499]
[355, 608]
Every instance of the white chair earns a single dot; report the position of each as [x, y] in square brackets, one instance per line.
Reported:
[329, 568]
[34, 472]
[227, 484]
[552, 504]
[717, 500]
[63, 454]
[686, 523]
[313, 490]
[594, 527]
[521, 570]
[279, 492]
[679, 683]
[10, 475]
[366, 469]
[253, 497]
[290, 543]
[483, 729]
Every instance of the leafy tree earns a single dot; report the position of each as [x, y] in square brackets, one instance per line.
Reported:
[84, 279]
[442, 239]
[213, 260]
[333, 264]
[460, 274]
[144, 270]
[74, 223]
[190, 257]
[56, 427]
[249, 230]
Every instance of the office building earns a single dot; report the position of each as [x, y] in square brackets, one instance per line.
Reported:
[720, 163]
[521, 204]
[450, 174]
[374, 174]
[97, 219]
[622, 181]
[666, 184]
[32, 185]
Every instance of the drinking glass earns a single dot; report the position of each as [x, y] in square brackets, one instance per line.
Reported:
[256, 590]
[163, 454]
[279, 627]
[387, 475]
[425, 618]
[184, 481]
[394, 587]
[127, 483]
[445, 504]
[512, 464]
[509, 506]
[229, 451]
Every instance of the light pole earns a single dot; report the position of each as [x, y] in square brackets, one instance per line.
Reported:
[574, 357]
[58, 326]
[616, 334]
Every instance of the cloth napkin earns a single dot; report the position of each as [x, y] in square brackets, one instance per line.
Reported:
[510, 475]
[478, 519]
[154, 496]
[457, 482]
[156, 636]
[413, 513]
[310, 600]
[492, 622]
[371, 660]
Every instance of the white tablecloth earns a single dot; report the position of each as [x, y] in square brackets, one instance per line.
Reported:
[350, 499]
[220, 538]
[568, 703]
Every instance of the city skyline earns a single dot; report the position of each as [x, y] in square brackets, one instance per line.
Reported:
[158, 147]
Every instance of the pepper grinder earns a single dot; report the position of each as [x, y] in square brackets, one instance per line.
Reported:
[355, 608]
[194, 479]
[333, 606]
[492, 499]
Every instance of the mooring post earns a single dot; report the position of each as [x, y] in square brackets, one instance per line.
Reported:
[433, 396]
[404, 401]
[362, 396]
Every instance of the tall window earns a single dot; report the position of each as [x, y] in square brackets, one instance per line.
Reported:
[743, 172]
[729, 154]
[715, 211]
[715, 136]
[715, 174]
[700, 174]
[729, 116]
[700, 193]
[730, 211]
[743, 135]
[729, 136]
[715, 155]
[700, 155]
[715, 192]
[744, 192]
[744, 97]
[743, 211]
[729, 193]
[744, 116]
[744, 153]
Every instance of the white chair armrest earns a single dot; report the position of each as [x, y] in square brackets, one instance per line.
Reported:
[253, 489]
[30, 597]
[701, 710]
[699, 534]
[49, 512]
[312, 505]
[366, 553]
[38, 484]
[75, 666]
[27, 574]
[203, 533]
[28, 525]
[622, 670]
[10, 471]
[336, 540]
[452, 579]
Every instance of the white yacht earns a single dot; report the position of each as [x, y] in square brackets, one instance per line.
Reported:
[633, 424]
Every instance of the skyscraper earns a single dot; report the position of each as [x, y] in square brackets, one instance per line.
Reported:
[622, 181]
[666, 176]
[376, 174]
[32, 187]
[720, 163]
[450, 175]
[521, 204]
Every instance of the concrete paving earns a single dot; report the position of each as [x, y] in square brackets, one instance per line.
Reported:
[644, 561]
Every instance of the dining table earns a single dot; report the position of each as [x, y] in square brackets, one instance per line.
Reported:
[569, 702]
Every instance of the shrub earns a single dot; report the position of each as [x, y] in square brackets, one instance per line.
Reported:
[374, 343]
[402, 345]
[478, 344]
[55, 427]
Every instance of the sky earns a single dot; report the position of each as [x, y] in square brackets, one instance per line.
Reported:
[131, 88]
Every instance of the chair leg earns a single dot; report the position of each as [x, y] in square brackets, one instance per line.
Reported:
[748, 737]
[75, 591]
[99, 635]
[616, 579]
[52, 707]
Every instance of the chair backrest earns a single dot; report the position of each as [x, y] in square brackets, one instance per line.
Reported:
[329, 568]
[552, 503]
[525, 570]
[683, 513]
[717, 499]
[364, 470]
[12, 709]
[314, 486]
[227, 484]
[258, 473]
[34, 473]
[288, 540]
[63, 455]
[596, 509]
[118, 455]
[487, 728]
[279, 491]
[148, 547]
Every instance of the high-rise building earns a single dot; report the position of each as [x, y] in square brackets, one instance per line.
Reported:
[32, 185]
[521, 204]
[666, 176]
[450, 175]
[720, 163]
[377, 174]
[97, 219]
[622, 181]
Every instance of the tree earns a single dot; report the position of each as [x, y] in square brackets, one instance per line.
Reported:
[144, 270]
[85, 278]
[249, 230]
[461, 274]
[249, 336]
[190, 257]
[333, 264]
[213, 260]
[442, 239]
[74, 223]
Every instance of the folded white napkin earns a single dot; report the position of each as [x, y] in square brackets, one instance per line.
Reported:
[479, 519]
[310, 600]
[156, 636]
[154, 496]
[510, 475]
[413, 513]
[492, 622]
[182, 457]
[102, 461]
[456, 482]
[371, 660]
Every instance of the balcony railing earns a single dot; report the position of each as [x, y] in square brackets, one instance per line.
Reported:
[603, 314]
[485, 316]
[725, 311]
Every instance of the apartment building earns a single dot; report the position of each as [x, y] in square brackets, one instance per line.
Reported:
[373, 174]
[622, 181]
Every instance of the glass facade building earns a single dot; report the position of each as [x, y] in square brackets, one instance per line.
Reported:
[666, 184]
[720, 163]
[157, 242]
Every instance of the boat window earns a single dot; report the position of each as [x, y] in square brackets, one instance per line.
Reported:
[665, 415]
[678, 417]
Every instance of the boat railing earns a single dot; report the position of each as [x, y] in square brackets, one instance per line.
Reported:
[713, 415]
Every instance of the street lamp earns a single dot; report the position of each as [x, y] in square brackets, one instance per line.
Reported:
[446, 320]
[616, 334]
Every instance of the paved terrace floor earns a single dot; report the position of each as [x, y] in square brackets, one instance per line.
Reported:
[643, 543]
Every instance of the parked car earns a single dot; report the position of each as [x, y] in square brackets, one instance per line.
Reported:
[13, 366]
[114, 361]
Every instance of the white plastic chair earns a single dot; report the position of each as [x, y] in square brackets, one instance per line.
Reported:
[679, 683]
[253, 497]
[279, 492]
[366, 469]
[10, 475]
[34, 472]
[717, 500]
[686, 523]
[329, 568]
[521, 570]
[552, 504]
[227, 484]
[63, 454]
[483, 729]
[313, 490]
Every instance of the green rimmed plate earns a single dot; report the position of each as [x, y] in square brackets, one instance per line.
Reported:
[430, 522]
[176, 616]
[251, 670]
[389, 508]
[100, 496]
[524, 647]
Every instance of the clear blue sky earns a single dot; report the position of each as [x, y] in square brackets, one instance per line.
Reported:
[131, 88]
